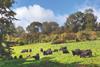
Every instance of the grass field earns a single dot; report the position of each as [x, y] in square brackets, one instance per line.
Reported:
[58, 59]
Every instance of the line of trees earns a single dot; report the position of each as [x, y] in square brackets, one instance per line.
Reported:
[78, 26]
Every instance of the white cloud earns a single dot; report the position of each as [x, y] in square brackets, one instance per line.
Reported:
[26, 15]
[36, 13]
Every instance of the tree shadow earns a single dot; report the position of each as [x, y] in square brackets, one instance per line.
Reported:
[43, 62]
[47, 62]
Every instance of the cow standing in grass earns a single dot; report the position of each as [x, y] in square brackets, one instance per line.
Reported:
[86, 53]
[37, 57]
[76, 52]
[64, 50]
[47, 52]
[82, 53]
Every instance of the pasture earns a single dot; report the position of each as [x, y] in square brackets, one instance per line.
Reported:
[57, 59]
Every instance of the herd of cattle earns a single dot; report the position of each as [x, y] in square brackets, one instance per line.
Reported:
[64, 50]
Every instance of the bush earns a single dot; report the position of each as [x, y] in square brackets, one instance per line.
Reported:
[84, 35]
[71, 36]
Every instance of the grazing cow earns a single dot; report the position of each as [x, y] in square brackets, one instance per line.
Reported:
[37, 57]
[86, 53]
[82, 53]
[64, 50]
[41, 49]
[15, 57]
[76, 52]
[26, 50]
[20, 57]
[30, 50]
[47, 52]
[23, 51]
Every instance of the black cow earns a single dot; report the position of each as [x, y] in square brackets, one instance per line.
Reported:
[47, 52]
[76, 52]
[26, 50]
[82, 53]
[86, 53]
[15, 57]
[20, 56]
[30, 50]
[41, 49]
[64, 50]
[37, 57]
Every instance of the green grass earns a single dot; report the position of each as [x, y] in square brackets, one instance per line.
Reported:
[58, 59]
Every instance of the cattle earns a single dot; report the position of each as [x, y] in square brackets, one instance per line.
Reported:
[76, 52]
[37, 57]
[24, 50]
[30, 50]
[41, 49]
[47, 52]
[15, 57]
[20, 57]
[86, 53]
[82, 53]
[64, 50]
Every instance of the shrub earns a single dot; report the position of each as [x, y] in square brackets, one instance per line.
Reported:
[84, 35]
[71, 36]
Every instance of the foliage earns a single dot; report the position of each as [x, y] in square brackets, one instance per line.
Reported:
[6, 25]
[34, 27]
[86, 35]
[80, 21]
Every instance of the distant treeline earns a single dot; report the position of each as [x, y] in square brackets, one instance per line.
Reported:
[79, 26]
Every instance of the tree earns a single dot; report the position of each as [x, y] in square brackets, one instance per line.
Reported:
[20, 30]
[75, 22]
[81, 21]
[49, 27]
[34, 27]
[90, 19]
[6, 25]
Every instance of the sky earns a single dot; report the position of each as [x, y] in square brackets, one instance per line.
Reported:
[51, 10]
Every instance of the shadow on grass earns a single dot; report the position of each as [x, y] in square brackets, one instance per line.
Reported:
[44, 62]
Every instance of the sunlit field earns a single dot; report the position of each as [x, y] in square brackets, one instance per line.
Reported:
[57, 59]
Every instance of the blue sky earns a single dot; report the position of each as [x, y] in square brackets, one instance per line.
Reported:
[50, 9]
[58, 6]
